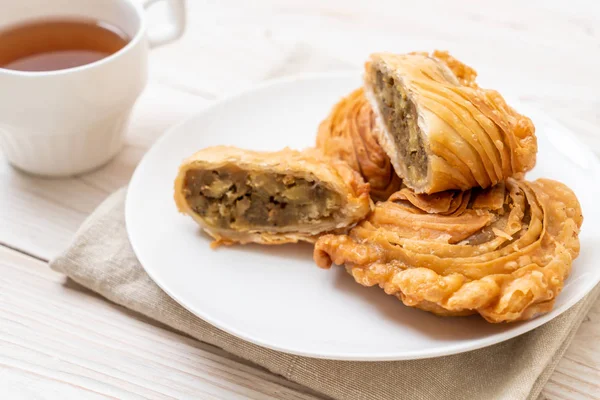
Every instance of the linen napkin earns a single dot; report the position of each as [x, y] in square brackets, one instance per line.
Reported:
[101, 259]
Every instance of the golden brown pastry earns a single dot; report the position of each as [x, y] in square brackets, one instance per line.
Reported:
[271, 198]
[440, 130]
[503, 252]
[349, 133]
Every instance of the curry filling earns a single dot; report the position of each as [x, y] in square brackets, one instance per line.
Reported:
[229, 197]
[400, 116]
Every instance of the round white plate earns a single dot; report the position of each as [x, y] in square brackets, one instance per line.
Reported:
[275, 296]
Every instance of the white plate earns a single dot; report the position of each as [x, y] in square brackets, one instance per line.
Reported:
[275, 296]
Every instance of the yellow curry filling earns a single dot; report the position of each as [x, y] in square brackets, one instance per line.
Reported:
[229, 197]
[400, 116]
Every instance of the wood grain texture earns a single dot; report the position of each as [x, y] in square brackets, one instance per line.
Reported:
[60, 341]
[58, 336]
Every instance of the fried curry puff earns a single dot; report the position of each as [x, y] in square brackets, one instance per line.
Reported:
[456, 230]
[271, 198]
[503, 252]
[440, 129]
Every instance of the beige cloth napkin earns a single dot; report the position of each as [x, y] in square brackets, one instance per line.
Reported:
[101, 259]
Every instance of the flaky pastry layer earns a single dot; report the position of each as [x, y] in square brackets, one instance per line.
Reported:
[503, 252]
[350, 134]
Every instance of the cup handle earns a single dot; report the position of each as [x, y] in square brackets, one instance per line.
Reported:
[175, 27]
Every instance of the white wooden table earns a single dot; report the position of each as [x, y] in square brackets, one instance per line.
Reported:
[58, 340]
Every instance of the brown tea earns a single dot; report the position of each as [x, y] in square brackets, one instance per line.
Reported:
[50, 45]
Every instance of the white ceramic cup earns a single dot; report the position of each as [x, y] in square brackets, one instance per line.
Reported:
[66, 122]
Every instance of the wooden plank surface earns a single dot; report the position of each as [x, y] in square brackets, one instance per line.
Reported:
[56, 335]
[58, 340]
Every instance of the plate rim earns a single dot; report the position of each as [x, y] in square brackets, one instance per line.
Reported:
[438, 351]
